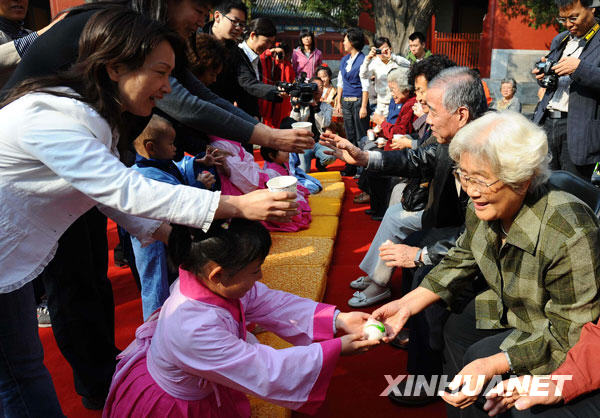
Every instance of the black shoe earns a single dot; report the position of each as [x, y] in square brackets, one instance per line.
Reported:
[377, 218]
[95, 404]
[420, 399]
[369, 212]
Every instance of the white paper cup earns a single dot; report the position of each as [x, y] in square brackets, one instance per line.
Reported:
[397, 136]
[302, 125]
[381, 141]
[282, 184]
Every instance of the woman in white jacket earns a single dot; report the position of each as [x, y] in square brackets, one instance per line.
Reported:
[58, 158]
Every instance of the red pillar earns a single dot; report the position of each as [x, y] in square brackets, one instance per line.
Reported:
[487, 39]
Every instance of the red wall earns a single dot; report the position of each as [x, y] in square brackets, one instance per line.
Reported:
[365, 21]
[514, 34]
[58, 5]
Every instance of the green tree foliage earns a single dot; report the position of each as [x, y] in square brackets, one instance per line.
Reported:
[343, 12]
[534, 12]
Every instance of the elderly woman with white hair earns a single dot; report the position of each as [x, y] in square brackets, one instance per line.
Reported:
[402, 93]
[534, 249]
[508, 89]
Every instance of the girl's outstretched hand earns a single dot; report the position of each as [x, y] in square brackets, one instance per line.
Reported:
[351, 322]
[356, 344]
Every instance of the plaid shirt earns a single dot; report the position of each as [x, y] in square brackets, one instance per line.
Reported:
[543, 281]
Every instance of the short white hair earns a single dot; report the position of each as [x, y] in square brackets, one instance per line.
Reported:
[515, 147]
[399, 76]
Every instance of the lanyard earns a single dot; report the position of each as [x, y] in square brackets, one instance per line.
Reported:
[583, 41]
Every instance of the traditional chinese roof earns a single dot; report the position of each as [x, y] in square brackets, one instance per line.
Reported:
[287, 13]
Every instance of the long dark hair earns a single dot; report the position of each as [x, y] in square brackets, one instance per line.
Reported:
[232, 245]
[304, 33]
[114, 35]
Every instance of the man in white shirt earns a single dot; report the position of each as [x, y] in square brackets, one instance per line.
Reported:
[378, 64]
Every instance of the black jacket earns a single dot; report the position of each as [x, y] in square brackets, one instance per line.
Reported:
[251, 88]
[445, 207]
[583, 120]
[237, 81]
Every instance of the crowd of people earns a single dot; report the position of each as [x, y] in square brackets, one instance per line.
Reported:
[143, 112]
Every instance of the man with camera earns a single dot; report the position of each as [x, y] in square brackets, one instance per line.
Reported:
[570, 73]
[307, 107]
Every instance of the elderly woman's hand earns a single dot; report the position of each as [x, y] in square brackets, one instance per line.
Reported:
[393, 315]
[515, 392]
[471, 380]
[344, 150]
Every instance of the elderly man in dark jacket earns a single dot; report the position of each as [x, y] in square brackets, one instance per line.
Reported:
[455, 97]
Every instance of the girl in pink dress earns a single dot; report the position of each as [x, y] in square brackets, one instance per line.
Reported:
[278, 162]
[194, 358]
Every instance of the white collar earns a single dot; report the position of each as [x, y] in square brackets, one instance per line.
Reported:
[252, 56]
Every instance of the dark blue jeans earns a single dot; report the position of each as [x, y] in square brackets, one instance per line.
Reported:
[26, 388]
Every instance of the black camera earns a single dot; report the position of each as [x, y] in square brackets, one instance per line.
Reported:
[550, 79]
[301, 93]
[378, 51]
[278, 55]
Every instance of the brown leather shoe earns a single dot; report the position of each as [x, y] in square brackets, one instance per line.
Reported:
[362, 198]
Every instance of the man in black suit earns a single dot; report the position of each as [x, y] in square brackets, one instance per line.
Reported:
[455, 97]
[259, 36]
[446, 202]
[569, 110]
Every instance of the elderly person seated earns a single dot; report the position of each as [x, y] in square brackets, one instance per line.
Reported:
[536, 249]
[402, 93]
[508, 89]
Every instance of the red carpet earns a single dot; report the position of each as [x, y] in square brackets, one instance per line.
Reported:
[357, 381]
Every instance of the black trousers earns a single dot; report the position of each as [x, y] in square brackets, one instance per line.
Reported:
[355, 127]
[463, 343]
[556, 129]
[81, 305]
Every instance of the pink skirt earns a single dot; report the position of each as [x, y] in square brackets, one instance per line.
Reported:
[138, 395]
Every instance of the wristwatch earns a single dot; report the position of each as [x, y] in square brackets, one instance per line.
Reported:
[417, 261]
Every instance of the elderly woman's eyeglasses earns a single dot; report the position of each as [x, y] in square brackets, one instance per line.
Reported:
[236, 23]
[466, 181]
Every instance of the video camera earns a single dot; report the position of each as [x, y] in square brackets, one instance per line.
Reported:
[550, 79]
[301, 93]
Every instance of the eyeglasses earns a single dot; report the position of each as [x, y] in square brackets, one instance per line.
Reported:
[571, 19]
[479, 185]
[236, 23]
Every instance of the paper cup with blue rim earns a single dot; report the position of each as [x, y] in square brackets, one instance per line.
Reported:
[302, 125]
[283, 184]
